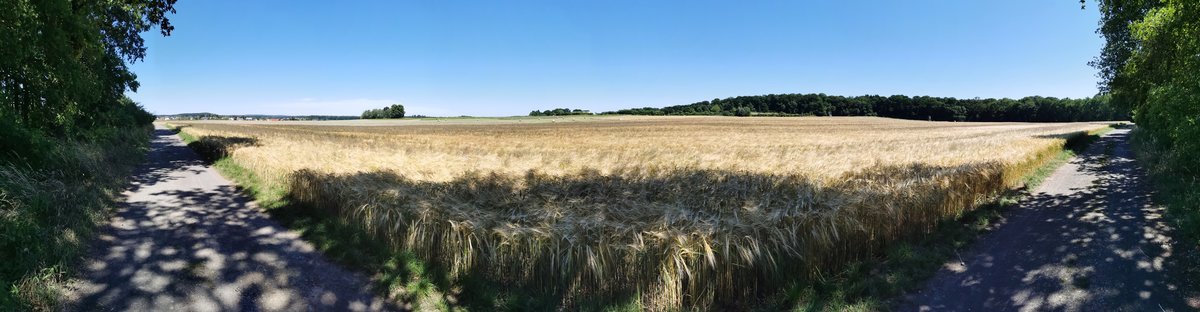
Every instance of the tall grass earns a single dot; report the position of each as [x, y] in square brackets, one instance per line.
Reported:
[676, 213]
[1176, 189]
[49, 209]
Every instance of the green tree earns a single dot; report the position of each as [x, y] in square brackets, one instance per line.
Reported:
[391, 112]
[560, 112]
[395, 111]
[1033, 108]
[1151, 64]
[64, 64]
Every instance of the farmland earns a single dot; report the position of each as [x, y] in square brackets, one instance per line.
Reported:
[674, 211]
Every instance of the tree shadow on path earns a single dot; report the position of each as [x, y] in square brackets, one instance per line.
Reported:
[184, 239]
[1089, 239]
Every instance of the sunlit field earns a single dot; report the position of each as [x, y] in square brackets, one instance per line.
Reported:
[671, 211]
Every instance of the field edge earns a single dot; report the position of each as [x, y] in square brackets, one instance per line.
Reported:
[877, 284]
[866, 285]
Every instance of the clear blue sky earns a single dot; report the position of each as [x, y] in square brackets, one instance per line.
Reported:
[497, 58]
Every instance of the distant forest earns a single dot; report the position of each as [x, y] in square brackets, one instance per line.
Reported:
[1033, 108]
[560, 112]
[200, 116]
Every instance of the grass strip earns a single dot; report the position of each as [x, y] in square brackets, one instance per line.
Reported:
[1180, 193]
[50, 209]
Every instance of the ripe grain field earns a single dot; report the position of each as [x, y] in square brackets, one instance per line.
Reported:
[675, 212]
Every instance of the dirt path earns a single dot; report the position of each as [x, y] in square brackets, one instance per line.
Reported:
[1089, 239]
[186, 240]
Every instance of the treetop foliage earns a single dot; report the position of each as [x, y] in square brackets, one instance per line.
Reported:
[390, 112]
[560, 112]
[1033, 108]
[1151, 62]
[64, 64]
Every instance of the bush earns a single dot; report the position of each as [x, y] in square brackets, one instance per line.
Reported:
[22, 146]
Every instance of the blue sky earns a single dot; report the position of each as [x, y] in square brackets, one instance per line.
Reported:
[499, 58]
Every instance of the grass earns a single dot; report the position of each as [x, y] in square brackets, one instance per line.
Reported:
[48, 213]
[711, 211]
[1179, 192]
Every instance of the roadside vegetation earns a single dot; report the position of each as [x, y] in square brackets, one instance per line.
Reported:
[1150, 61]
[681, 212]
[68, 135]
[49, 208]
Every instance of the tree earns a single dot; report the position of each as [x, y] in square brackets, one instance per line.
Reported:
[560, 112]
[64, 64]
[394, 111]
[900, 106]
[1150, 64]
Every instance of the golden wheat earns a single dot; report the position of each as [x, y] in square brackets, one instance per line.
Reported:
[681, 211]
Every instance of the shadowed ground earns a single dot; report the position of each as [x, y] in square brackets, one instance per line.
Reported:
[1089, 239]
[186, 240]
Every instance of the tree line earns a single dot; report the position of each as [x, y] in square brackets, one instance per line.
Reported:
[390, 112]
[64, 65]
[560, 112]
[1032, 108]
[1151, 63]
[212, 116]
[68, 134]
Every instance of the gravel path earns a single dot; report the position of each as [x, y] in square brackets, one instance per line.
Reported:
[186, 240]
[1088, 239]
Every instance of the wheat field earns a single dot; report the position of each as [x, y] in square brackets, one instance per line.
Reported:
[679, 212]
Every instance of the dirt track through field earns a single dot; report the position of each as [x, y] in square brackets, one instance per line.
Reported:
[185, 239]
[1088, 239]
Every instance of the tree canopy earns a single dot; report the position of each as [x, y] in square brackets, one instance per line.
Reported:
[64, 64]
[390, 112]
[1033, 108]
[560, 112]
[1151, 62]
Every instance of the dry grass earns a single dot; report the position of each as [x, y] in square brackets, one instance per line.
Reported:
[48, 213]
[678, 211]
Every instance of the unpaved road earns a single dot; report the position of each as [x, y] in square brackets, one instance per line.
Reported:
[186, 240]
[1088, 239]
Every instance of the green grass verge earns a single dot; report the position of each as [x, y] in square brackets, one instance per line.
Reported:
[50, 211]
[1180, 194]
